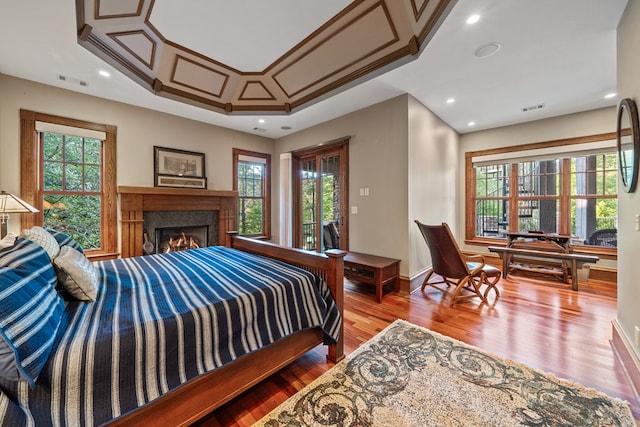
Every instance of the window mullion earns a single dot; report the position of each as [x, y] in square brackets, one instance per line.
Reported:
[565, 199]
[513, 197]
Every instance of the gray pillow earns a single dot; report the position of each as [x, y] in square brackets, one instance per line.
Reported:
[43, 238]
[77, 276]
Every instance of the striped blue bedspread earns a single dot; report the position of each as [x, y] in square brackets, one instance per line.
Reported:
[162, 320]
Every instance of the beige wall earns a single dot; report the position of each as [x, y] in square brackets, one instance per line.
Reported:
[407, 158]
[629, 204]
[139, 130]
[378, 161]
[433, 177]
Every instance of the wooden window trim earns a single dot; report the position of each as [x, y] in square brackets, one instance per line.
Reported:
[470, 179]
[266, 217]
[30, 183]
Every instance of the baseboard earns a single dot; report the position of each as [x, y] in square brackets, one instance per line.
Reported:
[415, 282]
[603, 274]
[625, 354]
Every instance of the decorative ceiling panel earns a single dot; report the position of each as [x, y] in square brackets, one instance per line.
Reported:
[106, 9]
[364, 38]
[256, 91]
[137, 43]
[357, 41]
[199, 77]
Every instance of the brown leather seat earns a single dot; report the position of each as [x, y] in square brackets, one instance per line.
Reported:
[466, 273]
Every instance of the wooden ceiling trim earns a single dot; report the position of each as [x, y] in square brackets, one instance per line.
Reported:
[120, 9]
[366, 37]
[326, 27]
[335, 85]
[255, 90]
[95, 45]
[439, 12]
[145, 56]
[418, 8]
[192, 53]
[178, 94]
[199, 77]
[333, 54]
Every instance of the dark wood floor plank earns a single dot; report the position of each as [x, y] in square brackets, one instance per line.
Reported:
[541, 323]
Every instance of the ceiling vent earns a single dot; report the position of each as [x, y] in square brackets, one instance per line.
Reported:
[72, 80]
[532, 107]
[257, 129]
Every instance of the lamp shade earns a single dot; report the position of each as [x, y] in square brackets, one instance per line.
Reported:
[10, 203]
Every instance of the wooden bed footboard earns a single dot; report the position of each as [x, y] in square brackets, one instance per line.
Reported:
[197, 398]
[329, 266]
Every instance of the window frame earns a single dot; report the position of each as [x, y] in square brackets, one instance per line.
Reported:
[31, 165]
[266, 189]
[564, 197]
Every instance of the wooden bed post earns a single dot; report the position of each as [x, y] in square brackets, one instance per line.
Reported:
[335, 280]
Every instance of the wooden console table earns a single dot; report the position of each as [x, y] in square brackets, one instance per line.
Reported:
[373, 270]
[535, 251]
[544, 241]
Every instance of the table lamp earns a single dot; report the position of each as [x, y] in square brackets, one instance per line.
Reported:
[10, 203]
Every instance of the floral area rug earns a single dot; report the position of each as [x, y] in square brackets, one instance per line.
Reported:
[410, 376]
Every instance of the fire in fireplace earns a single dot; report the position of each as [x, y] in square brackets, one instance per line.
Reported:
[172, 239]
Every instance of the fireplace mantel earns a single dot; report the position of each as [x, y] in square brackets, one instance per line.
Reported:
[134, 201]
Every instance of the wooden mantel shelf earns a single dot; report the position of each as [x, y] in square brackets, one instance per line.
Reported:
[167, 191]
[134, 201]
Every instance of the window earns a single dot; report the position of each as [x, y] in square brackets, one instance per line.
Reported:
[64, 174]
[252, 181]
[71, 186]
[573, 192]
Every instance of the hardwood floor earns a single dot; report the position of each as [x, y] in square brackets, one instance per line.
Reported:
[541, 323]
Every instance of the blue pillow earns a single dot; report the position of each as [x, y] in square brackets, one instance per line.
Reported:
[64, 239]
[30, 310]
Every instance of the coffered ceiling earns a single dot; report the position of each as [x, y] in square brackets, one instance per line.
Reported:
[346, 42]
[252, 67]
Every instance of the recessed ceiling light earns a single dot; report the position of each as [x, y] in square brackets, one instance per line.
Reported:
[285, 127]
[473, 19]
[104, 73]
[487, 50]
[451, 100]
[610, 95]
[471, 124]
[261, 121]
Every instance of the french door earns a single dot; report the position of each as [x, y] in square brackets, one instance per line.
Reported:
[321, 197]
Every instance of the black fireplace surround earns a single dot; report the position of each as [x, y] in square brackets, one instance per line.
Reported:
[202, 226]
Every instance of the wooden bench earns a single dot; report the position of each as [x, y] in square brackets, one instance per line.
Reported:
[373, 270]
[569, 261]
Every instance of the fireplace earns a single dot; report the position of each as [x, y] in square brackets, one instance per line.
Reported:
[173, 239]
[168, 230]
[143, 209]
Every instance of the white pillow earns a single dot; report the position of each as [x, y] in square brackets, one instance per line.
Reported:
[43, 238]
[8, 240]
[76, 274]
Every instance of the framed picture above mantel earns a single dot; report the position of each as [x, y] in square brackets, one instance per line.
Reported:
[178, 168]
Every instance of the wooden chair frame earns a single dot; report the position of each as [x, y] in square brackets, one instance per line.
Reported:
[456, 269]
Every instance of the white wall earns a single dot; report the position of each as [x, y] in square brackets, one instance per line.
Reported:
[434, 177]
[139, 130]
[628, 315]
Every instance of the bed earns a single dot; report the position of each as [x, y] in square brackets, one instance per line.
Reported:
[145, 351]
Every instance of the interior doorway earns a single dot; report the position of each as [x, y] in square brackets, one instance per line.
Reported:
[321, 197]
